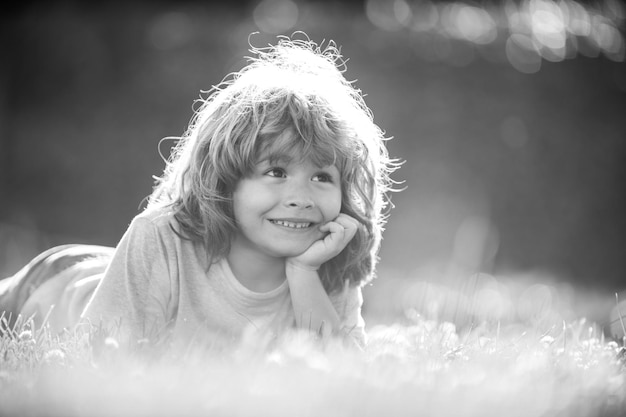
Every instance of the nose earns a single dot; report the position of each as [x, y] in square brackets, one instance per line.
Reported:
[299, 203]
[299, 196]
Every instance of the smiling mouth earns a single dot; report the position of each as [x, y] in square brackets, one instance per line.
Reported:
[291, 225]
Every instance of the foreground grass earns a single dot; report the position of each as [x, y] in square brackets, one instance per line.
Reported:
[419, 367]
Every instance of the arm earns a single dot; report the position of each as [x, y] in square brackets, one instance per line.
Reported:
[134, 292]
[312, 306]
[315, 310]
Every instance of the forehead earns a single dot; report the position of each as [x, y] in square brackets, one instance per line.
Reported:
[289, 147]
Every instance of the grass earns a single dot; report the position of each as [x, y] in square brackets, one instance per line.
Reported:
[412, 367]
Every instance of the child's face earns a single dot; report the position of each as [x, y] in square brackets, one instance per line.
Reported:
[280, 206]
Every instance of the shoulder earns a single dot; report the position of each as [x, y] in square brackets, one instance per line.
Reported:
[157, 231]
[149, 233]
[156, 216]
[161, 221]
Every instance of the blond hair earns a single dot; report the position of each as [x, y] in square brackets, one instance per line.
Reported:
[299, 86]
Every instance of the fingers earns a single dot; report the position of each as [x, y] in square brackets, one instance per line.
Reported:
[337, 234]
[341, 230]
[349, 223]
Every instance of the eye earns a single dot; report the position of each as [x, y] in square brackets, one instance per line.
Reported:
[276, 172]
[323, 177]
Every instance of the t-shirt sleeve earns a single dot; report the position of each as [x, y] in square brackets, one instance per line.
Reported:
[348, 304]
[131, 301]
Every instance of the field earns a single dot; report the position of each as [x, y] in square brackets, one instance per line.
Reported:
[415, 366]
[514, 160]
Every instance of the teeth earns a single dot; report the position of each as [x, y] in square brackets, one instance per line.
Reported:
[292, 225]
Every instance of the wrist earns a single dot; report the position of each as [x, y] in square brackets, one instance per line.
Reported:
[300, 266]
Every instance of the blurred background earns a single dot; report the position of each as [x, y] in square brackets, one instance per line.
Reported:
[510, 116]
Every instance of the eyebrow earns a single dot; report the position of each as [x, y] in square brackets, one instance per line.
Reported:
[281, 158]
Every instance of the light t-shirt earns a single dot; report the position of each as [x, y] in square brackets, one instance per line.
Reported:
[159, 281]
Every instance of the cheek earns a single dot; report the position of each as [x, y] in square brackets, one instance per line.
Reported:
[241, 202]
[251, 200]
[333, 205]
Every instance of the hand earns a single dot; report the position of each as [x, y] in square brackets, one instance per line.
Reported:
[339, 232]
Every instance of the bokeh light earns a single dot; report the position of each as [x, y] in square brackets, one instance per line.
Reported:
[530, 31]
[276, 16]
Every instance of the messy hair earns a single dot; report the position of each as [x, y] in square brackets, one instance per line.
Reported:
[295, 86]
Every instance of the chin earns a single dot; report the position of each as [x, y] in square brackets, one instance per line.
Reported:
[289, 251]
